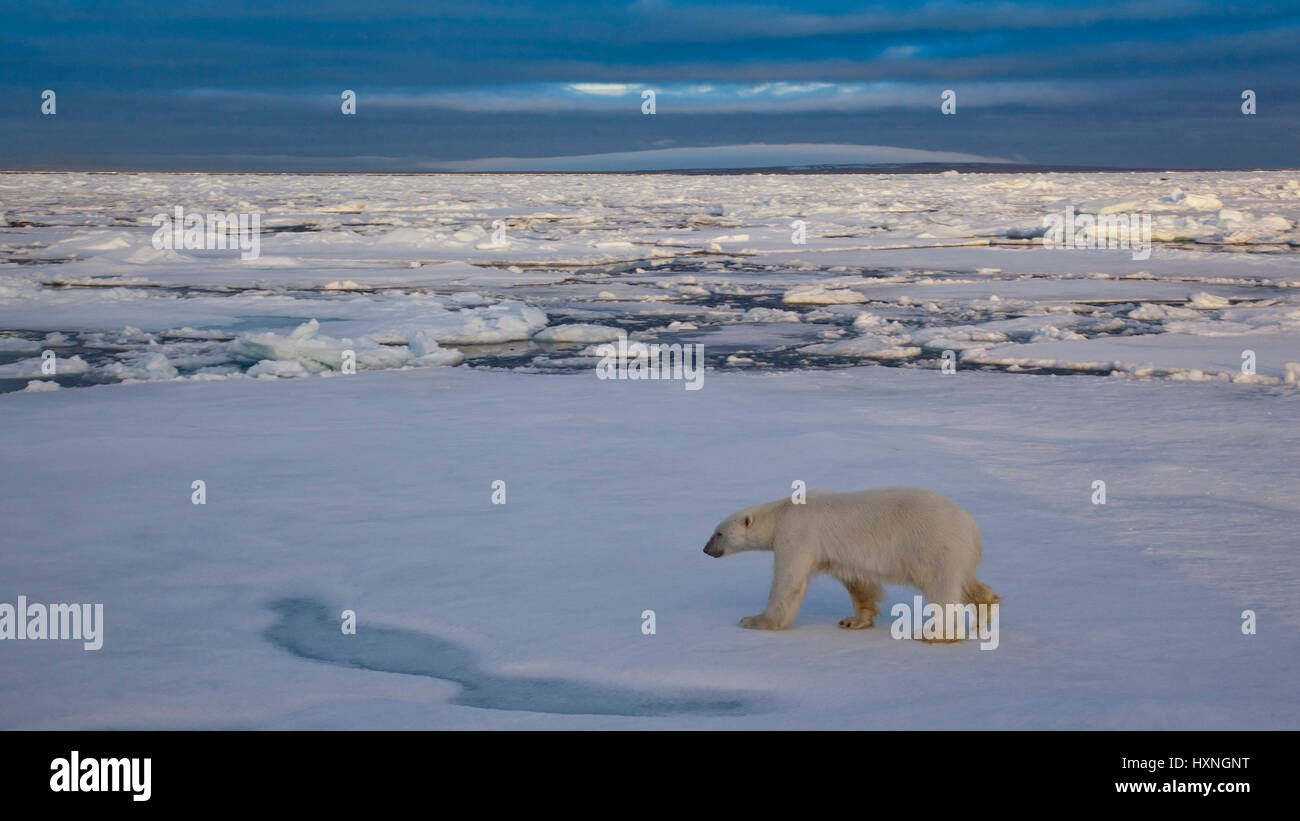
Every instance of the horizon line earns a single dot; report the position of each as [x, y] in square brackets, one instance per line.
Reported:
[826, 168]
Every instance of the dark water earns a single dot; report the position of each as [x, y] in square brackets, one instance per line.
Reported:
[768, 346]
[308, 629]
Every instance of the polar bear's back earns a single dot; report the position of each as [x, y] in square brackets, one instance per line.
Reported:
[887, 501]
[884, 531]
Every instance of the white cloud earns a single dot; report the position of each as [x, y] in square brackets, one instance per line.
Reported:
[701, 98]
[604, 89]
[798, 88]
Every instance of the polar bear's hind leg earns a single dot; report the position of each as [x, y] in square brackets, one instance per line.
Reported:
[866, 598]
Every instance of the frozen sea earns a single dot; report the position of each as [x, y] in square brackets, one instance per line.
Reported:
[475, 305]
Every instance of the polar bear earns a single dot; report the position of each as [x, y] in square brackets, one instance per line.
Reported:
[897, 535]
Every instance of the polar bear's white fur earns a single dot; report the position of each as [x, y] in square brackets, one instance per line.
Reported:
[898, 535]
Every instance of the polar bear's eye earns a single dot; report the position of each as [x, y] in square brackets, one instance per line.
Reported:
[746, 521]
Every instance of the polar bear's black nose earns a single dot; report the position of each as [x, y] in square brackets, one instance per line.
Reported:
[711, 548]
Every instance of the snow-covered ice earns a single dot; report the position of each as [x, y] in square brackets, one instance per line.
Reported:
[510, 269]
[474, 308]
[372, 493]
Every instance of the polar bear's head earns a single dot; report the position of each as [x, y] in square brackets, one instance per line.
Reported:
[748, 529]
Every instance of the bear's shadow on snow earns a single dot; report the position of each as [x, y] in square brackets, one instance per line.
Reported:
[306, 628]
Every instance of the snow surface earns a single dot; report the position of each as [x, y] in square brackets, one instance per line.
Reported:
[475, 359]
[372, 493]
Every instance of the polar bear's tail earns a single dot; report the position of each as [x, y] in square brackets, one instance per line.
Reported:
[977, 592]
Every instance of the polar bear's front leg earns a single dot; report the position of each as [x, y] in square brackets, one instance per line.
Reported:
[790, 575]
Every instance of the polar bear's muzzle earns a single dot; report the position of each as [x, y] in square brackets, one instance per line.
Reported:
[714, 548]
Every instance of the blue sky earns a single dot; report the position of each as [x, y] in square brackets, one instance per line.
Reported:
[237, 85]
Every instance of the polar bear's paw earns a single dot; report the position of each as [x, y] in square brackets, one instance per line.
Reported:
[856, 623]
[759, 622]
[940, 641]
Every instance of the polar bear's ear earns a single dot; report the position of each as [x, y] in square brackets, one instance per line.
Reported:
[747, 520]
